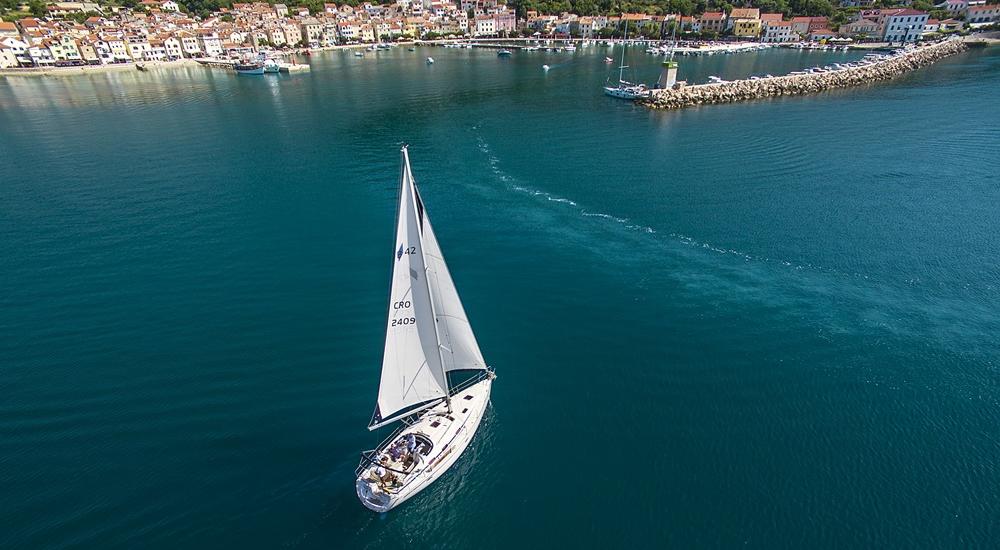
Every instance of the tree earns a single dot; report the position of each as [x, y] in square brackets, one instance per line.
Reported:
[37, 8]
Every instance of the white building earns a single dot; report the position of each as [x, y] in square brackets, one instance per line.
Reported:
[210, 44]
[778, 32]
[485, 26]
[8, 58]
[903, 25]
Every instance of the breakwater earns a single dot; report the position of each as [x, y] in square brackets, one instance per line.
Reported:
[745, 90]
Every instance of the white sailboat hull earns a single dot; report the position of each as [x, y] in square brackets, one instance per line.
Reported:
[449, 435]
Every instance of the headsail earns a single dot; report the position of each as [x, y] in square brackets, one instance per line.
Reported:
[412, 373]
[460, 350]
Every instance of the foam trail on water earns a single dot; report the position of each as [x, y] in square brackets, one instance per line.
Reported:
[550, 197]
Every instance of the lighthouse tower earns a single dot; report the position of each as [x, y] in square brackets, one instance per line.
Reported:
[668, 75]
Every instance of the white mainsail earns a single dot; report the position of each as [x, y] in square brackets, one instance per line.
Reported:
[459, 348]
[412, 373]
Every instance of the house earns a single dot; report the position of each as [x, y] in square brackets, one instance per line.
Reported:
[41, 56]
[932, 26]
[800, 25]
[8, 58]
[137, 46]
[765, 17]
[276, 36]
[746, 28]
[61, 9]
[485, 26]
[778, 32]
[582, 27]
[982, 14]
[902, 24]
[367, 33]
[311, 32]
[8, 29]
[954, 7]
[119, 49]
[281, 10]
[951, 25]
[18, 48]
[747, 20]
[712, 21]
[173, 47]
[857, 3]
[861, 28]
[348, 31]
[821, 34]
[210, 43]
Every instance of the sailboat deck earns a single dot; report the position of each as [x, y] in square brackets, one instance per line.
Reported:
[447, 433]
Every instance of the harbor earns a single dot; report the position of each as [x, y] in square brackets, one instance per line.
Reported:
[790, 304]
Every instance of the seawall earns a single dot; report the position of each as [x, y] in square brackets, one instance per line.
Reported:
[745, 90]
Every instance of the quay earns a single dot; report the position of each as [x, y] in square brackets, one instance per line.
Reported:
[789, 85]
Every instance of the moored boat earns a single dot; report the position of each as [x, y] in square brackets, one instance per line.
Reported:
[428, 337]
[625, 89]
[249, 67]
[503, 53]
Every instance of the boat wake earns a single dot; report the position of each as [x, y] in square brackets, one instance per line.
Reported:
[514, 186]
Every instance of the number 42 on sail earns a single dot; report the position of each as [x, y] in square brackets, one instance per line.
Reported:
[427, 337]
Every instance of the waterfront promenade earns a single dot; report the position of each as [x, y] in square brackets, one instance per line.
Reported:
[790, 85]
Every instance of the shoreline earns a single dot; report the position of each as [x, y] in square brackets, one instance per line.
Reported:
[96, 69]
[791, 85]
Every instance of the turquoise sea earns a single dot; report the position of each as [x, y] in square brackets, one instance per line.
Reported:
[765, 325]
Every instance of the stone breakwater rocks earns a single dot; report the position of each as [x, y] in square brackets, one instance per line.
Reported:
[745, 90]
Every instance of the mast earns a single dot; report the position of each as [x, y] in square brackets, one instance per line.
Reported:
[427, 282]
[621, 66]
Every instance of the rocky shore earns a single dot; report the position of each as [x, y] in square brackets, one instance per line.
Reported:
[745, 90]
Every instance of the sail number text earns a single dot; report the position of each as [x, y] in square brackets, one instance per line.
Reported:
[403, 321]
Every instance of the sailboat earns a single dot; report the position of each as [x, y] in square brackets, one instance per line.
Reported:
[625, 89]
[428, 338]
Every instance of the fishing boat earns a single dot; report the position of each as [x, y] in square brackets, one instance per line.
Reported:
[249, 67]
[428, 342]
[625, 89]
[503, 53]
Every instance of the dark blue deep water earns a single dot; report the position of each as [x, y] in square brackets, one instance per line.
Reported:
[766, 325]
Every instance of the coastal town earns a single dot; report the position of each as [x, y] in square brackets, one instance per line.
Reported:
[87, 33]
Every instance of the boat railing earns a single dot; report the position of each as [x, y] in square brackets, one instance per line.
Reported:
[371, 456]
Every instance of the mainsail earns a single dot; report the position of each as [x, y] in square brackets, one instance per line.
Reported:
[412, 372]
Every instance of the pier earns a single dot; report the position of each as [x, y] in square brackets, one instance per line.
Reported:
[801, 84]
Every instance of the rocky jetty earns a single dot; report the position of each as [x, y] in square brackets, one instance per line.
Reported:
[745, 90]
